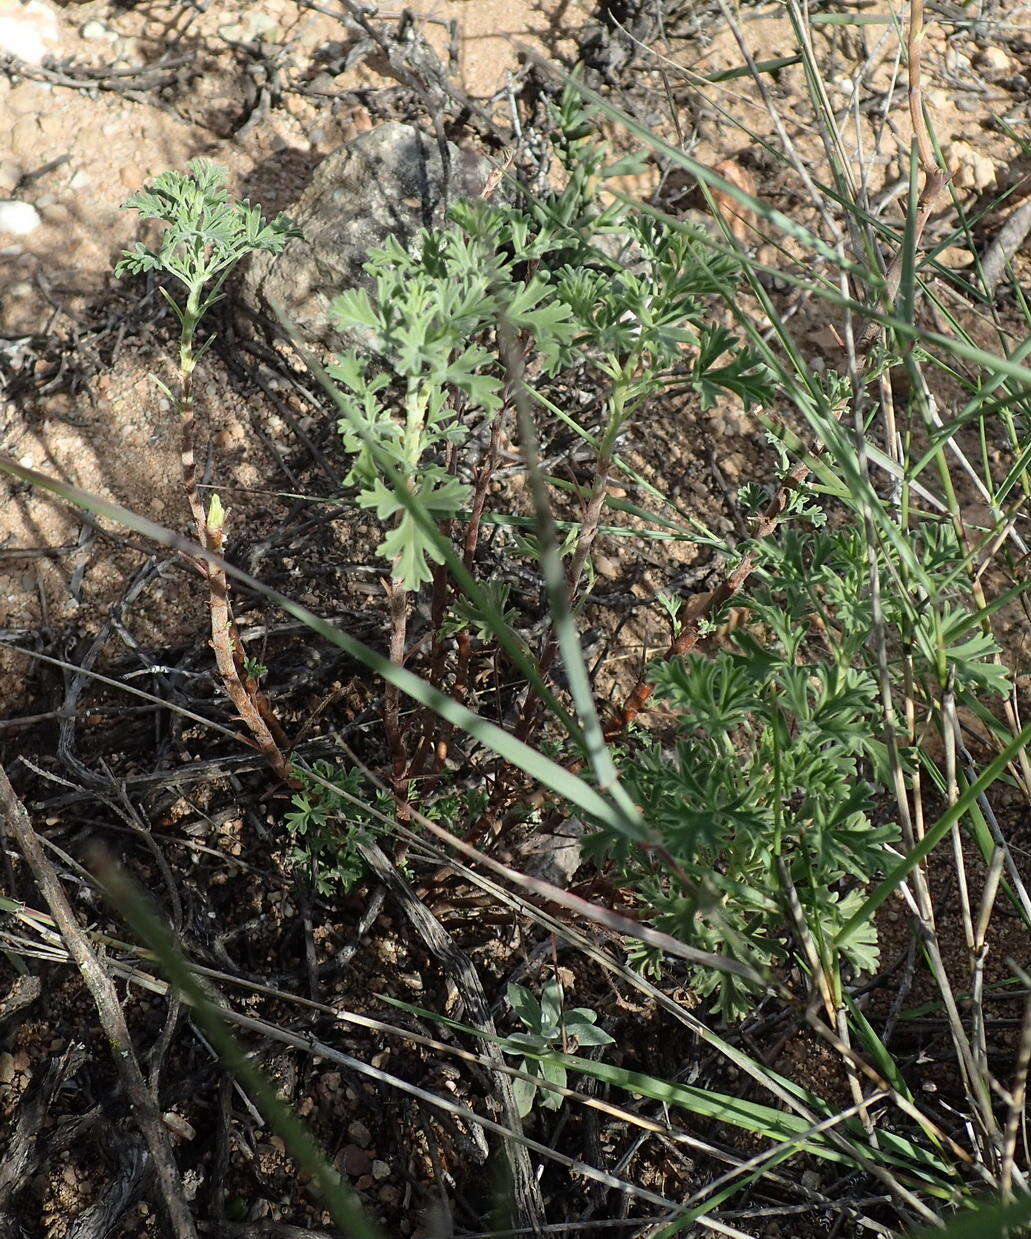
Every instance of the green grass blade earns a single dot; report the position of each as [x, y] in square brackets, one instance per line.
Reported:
[134, 908]
[536, 765]
[935, 835]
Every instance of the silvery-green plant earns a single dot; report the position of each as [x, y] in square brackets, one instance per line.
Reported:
[576, 281]
[206, 234]
[539, 296]
[767, 787]
[550, 1030]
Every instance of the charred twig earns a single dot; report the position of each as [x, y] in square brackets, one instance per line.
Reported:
[112, 1017]
[139, 83]
[21, 1156]
[101, 1217]
[66, 735]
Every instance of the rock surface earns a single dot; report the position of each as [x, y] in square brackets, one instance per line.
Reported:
[556, 857]
[388, 181]
[28, 31]
[18, 218]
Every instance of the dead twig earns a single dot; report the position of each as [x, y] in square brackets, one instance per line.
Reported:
[1008, 241]
[112, 1017]
[21, 1156]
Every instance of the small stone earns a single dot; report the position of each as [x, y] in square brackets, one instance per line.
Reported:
[19, 218]
[132, 177]
[95, 29]
[993, 60]
[6, 1068]
[55, 213]
[25, 99]
[10, 174]
[380, 1170]
[733, 464]
[555, 857]
[605, 566]
[354, 1161]
[953, 256]
[178, 1125]
[971, 168]
[810, 1179]
[23, 138]
[360, 1134]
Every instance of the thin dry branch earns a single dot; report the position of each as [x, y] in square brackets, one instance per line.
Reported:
[112, 1017]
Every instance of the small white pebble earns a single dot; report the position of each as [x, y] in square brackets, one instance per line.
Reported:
[19, 218]
[380, 1170]
[96, 29]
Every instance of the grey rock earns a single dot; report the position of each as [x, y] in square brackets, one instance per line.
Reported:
[555, 858]
[388, 181]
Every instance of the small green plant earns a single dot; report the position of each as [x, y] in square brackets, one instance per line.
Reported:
[584, 292]
[325, 826]
[206, 234]
[770, 783]
[550, 1029]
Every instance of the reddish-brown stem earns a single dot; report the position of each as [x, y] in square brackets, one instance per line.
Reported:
[242, 690]
[187, 432]
[224, 643]
[694, 610]
[589, 526]
[436, 737]
[397, 597]
[481, 487]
